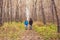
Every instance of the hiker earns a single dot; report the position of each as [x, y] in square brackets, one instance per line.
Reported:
[30, 23]
[26, 24]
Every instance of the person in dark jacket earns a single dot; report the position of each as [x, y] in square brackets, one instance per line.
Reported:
[30, 23]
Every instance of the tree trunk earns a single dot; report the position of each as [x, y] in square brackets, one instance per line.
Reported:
[1, 4]
[43, 15]
[52, 11]
[57, 18]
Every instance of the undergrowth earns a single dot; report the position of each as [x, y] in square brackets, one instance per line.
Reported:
[48, 32]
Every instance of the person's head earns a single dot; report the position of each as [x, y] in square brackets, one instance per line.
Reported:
[30, 18]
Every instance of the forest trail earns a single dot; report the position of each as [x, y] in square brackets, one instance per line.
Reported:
[30, 35]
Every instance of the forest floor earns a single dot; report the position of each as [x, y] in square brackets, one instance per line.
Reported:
[31, 35]
[27, 35]
[16, 31]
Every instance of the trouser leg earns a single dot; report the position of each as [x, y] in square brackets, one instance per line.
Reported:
[30, 27]
[26, 27]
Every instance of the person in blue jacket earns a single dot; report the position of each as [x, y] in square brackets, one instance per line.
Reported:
[26, 24]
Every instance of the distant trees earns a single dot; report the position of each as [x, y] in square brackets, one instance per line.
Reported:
[15, 10]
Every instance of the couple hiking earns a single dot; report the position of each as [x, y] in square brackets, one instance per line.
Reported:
[30, 22]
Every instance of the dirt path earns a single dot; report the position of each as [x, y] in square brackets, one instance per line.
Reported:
[30, 35]
[11, 34]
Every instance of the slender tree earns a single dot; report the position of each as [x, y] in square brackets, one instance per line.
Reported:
[32, 14]
[43, 15]
[52, 10]
[7, 10]
[11, 10]
[17, 12]
[1, 4]
[57, 18]
[4, 11]
[35, 12]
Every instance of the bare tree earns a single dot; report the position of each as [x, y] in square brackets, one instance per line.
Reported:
[4, 11]
[1, 4]
[35, 12]
[7, 11]
[43, 15]
[57, 18]
[52, 10]
[11, 10]
[17, 12]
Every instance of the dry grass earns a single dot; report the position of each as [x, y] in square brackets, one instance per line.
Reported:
[14, 31]
[48, 32]
[11, 31]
